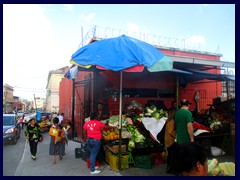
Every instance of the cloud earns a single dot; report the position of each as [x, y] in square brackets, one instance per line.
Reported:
[68, 7]
[89, 17]
[132, 27]
[196, 39]
[29, 46]
[193, 42]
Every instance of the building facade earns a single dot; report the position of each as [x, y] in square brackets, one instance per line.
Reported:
[52, 96]
[8, 99]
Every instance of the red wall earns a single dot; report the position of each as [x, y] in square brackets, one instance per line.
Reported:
[190, 54]
[65, 96]
[145, 79]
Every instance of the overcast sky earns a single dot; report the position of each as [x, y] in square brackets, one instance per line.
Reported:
[38, 38]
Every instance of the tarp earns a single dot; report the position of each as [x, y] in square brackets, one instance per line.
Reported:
[197, 75]
[122, 53]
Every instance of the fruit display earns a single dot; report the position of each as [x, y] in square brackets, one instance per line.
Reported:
[111, 134]
[45, 125]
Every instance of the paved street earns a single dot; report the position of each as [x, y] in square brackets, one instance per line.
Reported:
[70, 166]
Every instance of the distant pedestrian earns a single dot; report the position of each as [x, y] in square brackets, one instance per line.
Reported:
[60, 117]
[33, 134]
[184, 123]
[67, 131]
[21, 121]
[55, 146]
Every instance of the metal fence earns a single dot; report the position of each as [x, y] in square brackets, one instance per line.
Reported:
[107, 32]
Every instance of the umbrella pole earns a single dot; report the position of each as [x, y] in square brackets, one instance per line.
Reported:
[120, 123]
[177, 93]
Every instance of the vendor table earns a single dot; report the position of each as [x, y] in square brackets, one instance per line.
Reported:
[207, 138]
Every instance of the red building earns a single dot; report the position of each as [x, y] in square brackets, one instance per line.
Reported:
[93, 85]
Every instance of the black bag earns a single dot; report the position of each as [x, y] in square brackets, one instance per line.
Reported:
[78, 153]
[160, 135]
[40, 139]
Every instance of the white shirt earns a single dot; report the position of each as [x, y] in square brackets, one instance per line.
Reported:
[60, 119]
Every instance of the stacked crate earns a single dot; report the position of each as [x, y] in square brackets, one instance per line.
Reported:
[113, 160]
[143, 161]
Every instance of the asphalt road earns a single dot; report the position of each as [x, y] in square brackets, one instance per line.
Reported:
[12, 155]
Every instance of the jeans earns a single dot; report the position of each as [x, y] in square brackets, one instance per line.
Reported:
[94, 147]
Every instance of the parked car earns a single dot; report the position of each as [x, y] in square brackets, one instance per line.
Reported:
[28, 117]
[20, 113]
[11, 128]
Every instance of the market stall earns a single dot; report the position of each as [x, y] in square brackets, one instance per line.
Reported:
[116, 138]
[216, 127]
[139, 144]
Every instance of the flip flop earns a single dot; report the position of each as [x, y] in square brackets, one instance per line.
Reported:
[60, 158]
[54, 162]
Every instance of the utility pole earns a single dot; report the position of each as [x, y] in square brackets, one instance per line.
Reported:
[35, 102]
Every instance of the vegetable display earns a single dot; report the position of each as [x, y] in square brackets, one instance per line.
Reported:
[152, 111]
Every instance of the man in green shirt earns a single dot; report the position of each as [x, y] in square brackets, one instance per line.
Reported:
[184, 123]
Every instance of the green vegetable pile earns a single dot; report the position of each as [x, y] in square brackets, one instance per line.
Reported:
[152, 111]
[136, 136]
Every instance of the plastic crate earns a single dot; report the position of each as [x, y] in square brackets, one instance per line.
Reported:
[143, 161]
[115, 148]
[78, 153]
[97, 163]
[157, 158]
[112, 160]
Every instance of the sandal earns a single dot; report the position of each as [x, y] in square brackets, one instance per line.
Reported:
[54, 162]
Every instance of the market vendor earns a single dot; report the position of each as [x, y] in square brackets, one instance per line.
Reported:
[92, 132]
[102, 112]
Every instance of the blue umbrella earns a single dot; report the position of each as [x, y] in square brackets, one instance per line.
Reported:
[122, 53]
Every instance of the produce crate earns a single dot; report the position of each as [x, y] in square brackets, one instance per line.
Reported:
[157, 158]
[78, 153]
[115, 142]
[97, 163]
[115, 148]
[112, 160]
[143, 161]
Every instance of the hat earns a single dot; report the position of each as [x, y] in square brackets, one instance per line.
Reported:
[185, 102]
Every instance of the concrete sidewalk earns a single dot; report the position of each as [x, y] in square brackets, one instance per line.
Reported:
[71, 166]
[68, 166]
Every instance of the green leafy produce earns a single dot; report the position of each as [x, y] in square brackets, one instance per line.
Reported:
[156, 115]
[131, 143]
[153, 107]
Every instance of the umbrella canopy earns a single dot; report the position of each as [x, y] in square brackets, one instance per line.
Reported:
[122, 53]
